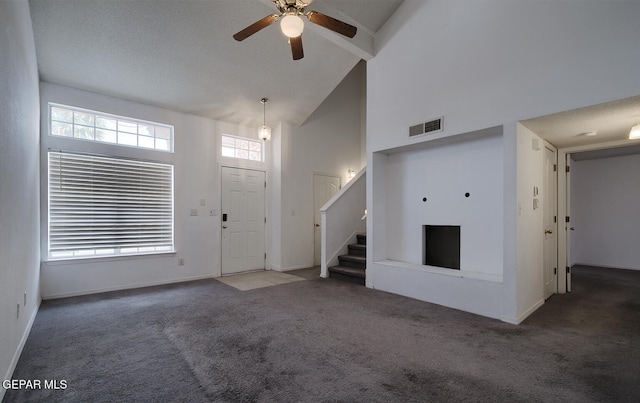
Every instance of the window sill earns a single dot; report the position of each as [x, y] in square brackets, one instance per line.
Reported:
[100, 259]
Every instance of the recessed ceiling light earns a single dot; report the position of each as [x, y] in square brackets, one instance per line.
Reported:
[588, 134]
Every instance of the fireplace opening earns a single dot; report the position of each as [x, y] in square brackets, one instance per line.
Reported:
[441, 246]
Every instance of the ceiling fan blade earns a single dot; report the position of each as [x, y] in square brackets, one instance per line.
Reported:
[255, 27]
[296, 47]
[331, 23]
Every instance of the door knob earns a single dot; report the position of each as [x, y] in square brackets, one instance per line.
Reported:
[317, 225]
[224, 226]
[548, 231]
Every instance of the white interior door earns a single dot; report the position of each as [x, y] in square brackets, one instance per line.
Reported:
[324, 188]
[243, 220]
[550, 213]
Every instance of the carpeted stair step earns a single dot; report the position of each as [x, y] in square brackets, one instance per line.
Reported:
[357, 262]
[352, 266]
[348, 271]
[350, 274]
[356, 249]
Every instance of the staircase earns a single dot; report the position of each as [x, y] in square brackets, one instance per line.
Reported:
[352, 266]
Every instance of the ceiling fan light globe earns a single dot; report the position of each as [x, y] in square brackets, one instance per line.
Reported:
[264, 132]
[292, 25]
[634, 133]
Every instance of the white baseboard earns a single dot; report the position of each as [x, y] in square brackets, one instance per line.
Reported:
[283, 269]
[605, 266]
[124, 287]
[16, 355]
[524, 315]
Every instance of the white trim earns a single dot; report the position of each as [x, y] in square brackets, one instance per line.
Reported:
[606, 266]
[126, 287]
[18, 353]
[441, 271]
[524, 315]
[290, 268]
[562, 198]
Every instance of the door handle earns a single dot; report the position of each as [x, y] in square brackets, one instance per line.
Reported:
[224, 226]
[548, 231]
[572, 229]
[317, 225]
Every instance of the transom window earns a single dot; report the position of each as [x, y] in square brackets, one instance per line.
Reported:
[242, 148]
[83, 124]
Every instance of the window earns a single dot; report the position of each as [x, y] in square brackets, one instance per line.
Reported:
[101, 206]
[238, 147]
[67, 121]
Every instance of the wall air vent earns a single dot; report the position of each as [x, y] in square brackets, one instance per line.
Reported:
[416, 130]
[431, 126]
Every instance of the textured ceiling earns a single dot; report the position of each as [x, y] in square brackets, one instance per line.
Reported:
[180, 54]
[611, 122]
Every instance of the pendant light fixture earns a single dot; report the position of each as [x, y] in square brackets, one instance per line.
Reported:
[265, 131]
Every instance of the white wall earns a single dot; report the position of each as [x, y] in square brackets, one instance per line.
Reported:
[197, 239]
[529, 274]
[19, 182]
[486, 64]
[443, 175]
[605, 195]
[327, 143]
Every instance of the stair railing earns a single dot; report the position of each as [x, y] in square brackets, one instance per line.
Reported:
[341, 221]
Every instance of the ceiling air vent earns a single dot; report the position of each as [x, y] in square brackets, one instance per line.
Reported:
[431, 126]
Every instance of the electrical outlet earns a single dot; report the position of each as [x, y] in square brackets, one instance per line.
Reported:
[181, 262]
[194, 212]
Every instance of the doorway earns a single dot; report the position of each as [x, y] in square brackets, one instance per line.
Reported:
[243, 220]
[600, 194]
[324, 188]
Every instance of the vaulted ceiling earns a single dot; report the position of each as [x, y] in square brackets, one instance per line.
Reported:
[180, 54]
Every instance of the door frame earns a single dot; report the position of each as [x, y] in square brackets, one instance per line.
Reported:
[553, 202]
[219, 212]
[564, 196]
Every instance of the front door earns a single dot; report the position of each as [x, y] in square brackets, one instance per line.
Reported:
[549, 207]
[324, 188]
[243, 220]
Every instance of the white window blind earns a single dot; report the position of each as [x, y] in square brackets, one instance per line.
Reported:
[101, 206]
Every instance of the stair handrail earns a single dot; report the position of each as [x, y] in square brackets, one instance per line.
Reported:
[341, 220]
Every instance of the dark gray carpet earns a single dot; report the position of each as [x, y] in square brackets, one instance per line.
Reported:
[326, 340]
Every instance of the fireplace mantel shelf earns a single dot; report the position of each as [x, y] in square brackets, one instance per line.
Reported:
[441, 271]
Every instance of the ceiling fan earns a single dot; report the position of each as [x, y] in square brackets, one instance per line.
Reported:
[292, 24]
